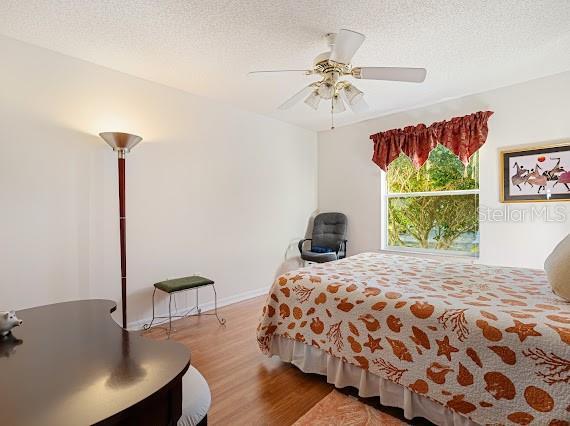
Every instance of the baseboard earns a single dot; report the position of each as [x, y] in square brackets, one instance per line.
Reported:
[225, 301]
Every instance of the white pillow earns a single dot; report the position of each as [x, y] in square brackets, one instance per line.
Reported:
[557, 267]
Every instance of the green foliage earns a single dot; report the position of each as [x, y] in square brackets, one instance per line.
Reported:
[433, 221]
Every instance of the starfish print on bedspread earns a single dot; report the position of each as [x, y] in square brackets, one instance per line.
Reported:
[523, 330]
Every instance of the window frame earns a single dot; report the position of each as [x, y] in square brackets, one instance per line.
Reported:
[386, 195]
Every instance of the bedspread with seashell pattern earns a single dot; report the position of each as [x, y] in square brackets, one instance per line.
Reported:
[491, 343]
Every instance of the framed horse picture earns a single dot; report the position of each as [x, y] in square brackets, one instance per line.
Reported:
[539, 173]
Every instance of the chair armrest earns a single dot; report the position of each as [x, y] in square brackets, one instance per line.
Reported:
[301, 242]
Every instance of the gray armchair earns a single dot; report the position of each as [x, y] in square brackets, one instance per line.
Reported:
[328, 240]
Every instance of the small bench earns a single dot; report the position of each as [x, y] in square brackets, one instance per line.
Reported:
[177, 285]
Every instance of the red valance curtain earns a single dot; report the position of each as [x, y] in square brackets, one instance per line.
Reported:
[461, 135]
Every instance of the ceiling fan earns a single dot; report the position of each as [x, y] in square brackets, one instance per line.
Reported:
[333, 66]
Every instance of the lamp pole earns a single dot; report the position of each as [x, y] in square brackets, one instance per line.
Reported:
[122, 143]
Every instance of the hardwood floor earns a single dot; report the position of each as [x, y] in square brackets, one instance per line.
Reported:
[247, 387]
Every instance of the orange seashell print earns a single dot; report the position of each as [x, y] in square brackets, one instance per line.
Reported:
[284, 310]
[303, 323]
[353, 329]
[394, 323]
[379, 306]
[420, 386]
[422, 310]
[317, 325]
[547, 307]
[274, 297]
[344, 305]
[558, 422]
[485, 404]
[464, 376]
[436, 372]
[400, 350]
[299, 337]
[333, 288]
[393, 295]
[513, 302]
[371, 291]
[400, 305]
[291, 326]
[270, 311]
[489, 315]
[320, 299]
[499, 385]
[310, 311]
[351, 288]
[520, 418]
[297, 312]
[538, 399]
[373, 344]
[489, 332]
[354, 345]
[559, 318]
[270, 329]
[371, 323]
[314, 279]
[460, 405]
[563, 332]
[282, 281]
[505, 353]
[286, 291]
[362, 361]
[420, 338]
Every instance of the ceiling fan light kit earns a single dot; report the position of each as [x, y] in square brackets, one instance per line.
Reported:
[334, 65]
[313, 100]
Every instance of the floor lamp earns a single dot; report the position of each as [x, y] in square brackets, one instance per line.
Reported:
[122, 143]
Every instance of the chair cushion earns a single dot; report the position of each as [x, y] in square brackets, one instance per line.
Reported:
[317, 249]
[196, 398]
[318, 257]
[183, 283]
[557, 268]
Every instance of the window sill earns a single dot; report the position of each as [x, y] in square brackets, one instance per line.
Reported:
[460, 258]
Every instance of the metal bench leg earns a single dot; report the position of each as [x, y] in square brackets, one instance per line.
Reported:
[198, 309]
[222, 321]
[169, 314]
[147, 326]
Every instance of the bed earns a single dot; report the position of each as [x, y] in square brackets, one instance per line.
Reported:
[458, 344]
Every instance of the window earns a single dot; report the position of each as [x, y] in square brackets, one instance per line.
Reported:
[435, 208]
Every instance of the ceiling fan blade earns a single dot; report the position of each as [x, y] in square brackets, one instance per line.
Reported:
[277, 71]
[305, 91]
[412, 75]
[346, 44]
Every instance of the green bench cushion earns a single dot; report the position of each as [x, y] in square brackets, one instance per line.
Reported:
[183, 283]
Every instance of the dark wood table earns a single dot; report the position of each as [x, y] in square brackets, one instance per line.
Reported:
[71, 364]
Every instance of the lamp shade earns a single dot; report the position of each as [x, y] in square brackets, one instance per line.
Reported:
[121, 142]
[313, 100]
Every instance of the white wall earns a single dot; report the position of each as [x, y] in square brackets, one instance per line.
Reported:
[537, 111]
[211, 189]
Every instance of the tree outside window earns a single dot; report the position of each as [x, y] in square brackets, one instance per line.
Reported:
[434, 208]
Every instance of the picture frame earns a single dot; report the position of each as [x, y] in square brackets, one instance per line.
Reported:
[535, 173]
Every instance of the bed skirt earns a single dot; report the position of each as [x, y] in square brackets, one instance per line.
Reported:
[309, 359]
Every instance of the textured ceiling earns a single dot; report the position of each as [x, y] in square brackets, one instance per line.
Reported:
[207, 47]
